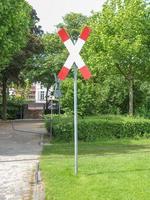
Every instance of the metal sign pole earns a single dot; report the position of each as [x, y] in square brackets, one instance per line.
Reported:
[51, 119]
[75, 60]
[59, 106]
[75, 121]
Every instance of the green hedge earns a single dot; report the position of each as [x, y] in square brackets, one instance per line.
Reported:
[14, 107]
[94, 128]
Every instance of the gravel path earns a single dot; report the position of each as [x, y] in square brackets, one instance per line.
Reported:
[19, 152]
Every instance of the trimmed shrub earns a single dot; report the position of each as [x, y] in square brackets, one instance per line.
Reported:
[95, 128]
[14, 107]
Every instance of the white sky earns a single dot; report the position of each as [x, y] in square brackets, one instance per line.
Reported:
[51, 12]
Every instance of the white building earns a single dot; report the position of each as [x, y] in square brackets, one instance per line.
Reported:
[40, 93]
[37, 93]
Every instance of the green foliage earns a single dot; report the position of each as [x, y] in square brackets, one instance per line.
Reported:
[95, 128]
[14, 71]
[25, 36]
[14, 28]
[108, 95]
[14, 107]
[42, 67]
[119, 43]
[74, 22]
[86, 104]
[116, 52]
[120, 38]
[16, 100]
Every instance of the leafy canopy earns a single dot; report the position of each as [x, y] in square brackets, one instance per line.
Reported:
[15, 26]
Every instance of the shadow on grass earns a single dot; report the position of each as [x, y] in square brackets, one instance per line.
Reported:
[96, 149]
[118, 171]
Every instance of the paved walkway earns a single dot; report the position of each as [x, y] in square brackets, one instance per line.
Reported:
[19, 152]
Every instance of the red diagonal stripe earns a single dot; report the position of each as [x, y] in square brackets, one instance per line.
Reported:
[63, 35]
[85, 33]
[63, 73]
[85, 72]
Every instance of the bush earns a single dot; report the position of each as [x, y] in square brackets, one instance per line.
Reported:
[94, 128]
[14, 107]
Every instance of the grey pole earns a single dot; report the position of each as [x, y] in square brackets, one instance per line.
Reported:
[75, 121]
[51, 119]
[59, 99]
[59, 106]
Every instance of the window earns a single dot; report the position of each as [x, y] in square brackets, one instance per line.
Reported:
[42, 95]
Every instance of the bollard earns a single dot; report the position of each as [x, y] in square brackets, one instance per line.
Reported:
[37, 174]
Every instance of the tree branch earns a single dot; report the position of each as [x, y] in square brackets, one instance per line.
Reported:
[122, 72]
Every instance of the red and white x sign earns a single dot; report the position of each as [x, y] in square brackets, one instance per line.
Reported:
[74, 56]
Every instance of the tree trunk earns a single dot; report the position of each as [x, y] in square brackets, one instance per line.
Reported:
[4, 99]
[131, 97]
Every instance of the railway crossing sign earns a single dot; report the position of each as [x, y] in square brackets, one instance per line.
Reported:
[74, 59]
[74, 56]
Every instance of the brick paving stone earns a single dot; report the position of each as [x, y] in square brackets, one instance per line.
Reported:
[19, 152]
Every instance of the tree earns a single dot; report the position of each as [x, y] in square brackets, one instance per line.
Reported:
[50, 62]
[120, 42]
[42, 67]
[73, 22]
[14, 28]
[12, 72]
[15, 25]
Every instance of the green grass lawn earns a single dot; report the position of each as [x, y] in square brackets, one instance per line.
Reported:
[108, 170]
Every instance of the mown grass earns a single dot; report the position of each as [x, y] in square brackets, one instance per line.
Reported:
[108, 170]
